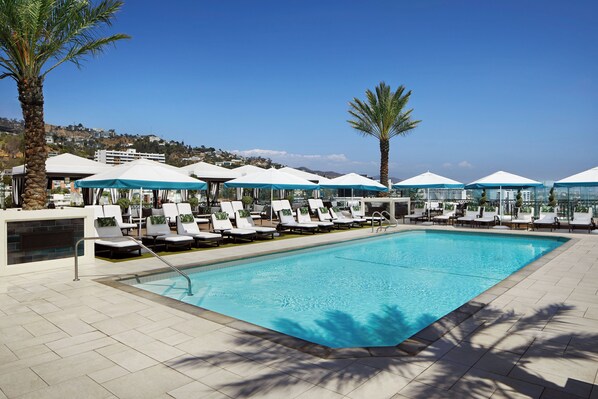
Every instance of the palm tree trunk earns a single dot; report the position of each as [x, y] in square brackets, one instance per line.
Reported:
[384, 150]
[31, 97]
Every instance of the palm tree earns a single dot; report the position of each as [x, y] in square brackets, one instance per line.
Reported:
[32, 33]
[382, 116]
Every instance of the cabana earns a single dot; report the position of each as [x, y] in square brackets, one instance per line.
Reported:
[503, 180]
[142, 174]
[588, 178]
[429, 180]
[60, 167]
[271, 179]
[354, 181]
[211, 174]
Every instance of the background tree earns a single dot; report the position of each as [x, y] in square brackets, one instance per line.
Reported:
[383, 116]
[37, 36]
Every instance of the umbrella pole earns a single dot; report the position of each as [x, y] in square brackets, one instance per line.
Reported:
[429, 210]
[500, 205]
[140, 210]
[271, 200]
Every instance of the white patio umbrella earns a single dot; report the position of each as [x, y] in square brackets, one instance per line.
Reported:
[248, 169]
[428, 180]
[503, 180]
[271, 179]
[354, 181]
[312, 177]
[587, 178]
[143, 174]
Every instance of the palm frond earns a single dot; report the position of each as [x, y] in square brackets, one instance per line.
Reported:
[34, 31]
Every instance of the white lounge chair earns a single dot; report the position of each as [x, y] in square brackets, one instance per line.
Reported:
[115, 212]
[525, 216]
[548, 218]
[157, 228]
[227, 206]
[337, 214]
[186, 226]
[288, 222]
[245, 221]
[304, 217]
[184, 208]
[107, 228]
[582, 218]
[238, 206]
[358, 213]
[418, 215]
[471, 213]
[170, 212]
[221, 224]
[325, 216]
[314, 204]
[489, 217]
[448, 212]
[98, 211]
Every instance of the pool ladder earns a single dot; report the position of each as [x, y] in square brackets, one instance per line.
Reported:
[138, 242]
[386, 222]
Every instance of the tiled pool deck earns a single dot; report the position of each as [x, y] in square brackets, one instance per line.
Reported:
[537, 337]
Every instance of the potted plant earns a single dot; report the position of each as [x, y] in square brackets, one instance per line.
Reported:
[552, 198]
[194, 202]
[247, 201]
[483, 198]
[124, 204]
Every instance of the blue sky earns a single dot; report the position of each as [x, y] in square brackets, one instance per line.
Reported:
[498, 85]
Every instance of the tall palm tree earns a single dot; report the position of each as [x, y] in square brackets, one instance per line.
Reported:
[37, 36]
[382, 116]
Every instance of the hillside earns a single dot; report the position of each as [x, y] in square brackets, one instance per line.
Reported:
[84, 141]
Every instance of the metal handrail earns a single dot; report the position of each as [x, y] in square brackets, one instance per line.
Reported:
[388, 219]
[173, 267]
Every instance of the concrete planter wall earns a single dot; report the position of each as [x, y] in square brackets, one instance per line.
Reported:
[39, 240]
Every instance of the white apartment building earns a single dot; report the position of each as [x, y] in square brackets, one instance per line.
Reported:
[113, 157]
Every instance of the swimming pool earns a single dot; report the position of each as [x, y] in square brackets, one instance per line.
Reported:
[369, 292]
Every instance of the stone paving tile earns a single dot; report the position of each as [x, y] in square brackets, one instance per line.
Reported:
[382, 385]
[108, 374]
[159, 351]
[195, 390]
[6, 355]
[27, 362]
[41, 327]
[442, 374]
[20, 382]
[81, 387]
[349, 378]
[319, 393]
[120, 324]
[126, 357]
[60, 370]
[146, 383]
[31, 351]
[498, 362]
[418, 390]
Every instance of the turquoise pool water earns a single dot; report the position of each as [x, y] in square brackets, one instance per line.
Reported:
[370, 292]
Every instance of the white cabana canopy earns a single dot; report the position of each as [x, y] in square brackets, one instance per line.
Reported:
[305, 175]
[354, 181]
[145, 174]
[248, 169]
[428, 180]
[588, 178]
[68, 165]
[207, 171]
[503, 180]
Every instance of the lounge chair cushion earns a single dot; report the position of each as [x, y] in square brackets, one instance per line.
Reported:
[118, 242]
[243, 213]
[158, 219]
[106, 222]
[175, 238]
[221, 216]
[188, 218]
